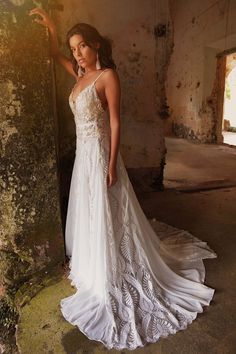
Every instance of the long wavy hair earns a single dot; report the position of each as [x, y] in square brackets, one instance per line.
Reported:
[91, 35]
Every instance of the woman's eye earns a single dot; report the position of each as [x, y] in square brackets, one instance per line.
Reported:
[81, 46]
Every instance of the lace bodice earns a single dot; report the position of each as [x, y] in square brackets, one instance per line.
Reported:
[90, 117]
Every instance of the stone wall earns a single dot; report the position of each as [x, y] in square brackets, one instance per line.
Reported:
[31, 240]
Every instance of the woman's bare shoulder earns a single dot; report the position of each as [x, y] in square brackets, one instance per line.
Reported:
[111, 74]
[111, 71]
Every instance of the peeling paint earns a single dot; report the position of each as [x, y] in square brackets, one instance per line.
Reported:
[195, 76]
[8, 212]
[31, 238]
[6, 132]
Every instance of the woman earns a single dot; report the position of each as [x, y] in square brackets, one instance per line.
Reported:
[133, 284]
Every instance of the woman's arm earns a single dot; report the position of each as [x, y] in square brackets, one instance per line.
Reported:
[113, 94]
[46, 21]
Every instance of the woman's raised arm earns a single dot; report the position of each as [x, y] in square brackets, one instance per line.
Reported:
[46, 21]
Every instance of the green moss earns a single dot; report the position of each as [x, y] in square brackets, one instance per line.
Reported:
[29, 289]
[8, 314]
[13, 269]
[30, 228]
[14, 299]
[8, 320]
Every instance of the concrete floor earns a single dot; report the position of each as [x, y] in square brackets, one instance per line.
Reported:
[207, 210]
[191, 164]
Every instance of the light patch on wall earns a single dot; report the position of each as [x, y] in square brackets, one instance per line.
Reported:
[13, 16]
[30, 218]
[7, 95]
[14, 108]
[17, 2]
[4, 50]
[8, 226]
[37, 3]
[9, 105]
[7, 131]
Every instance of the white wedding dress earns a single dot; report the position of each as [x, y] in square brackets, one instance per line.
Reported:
[135, 280]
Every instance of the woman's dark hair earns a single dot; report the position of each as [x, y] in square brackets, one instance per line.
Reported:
[91, 35]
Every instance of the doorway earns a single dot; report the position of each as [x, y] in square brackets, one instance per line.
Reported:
[229, 105]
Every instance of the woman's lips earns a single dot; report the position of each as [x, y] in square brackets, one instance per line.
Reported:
[81, 60]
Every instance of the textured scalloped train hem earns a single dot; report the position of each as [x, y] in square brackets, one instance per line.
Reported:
[144, 341]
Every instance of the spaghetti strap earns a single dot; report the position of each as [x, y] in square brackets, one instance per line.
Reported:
[99, 75]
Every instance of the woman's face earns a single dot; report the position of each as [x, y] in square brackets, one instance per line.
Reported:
[83, 54]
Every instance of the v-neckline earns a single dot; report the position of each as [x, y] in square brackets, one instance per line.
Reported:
[84, 89]
[74, 100]
[96, 94]
[93, 82]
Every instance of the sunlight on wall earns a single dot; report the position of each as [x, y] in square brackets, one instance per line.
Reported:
[230, 99]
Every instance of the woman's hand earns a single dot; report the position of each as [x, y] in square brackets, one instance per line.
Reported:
[55, 52]
[45, 18]
[111, 177]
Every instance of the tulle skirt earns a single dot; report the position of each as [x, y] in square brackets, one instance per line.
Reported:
[135, 280]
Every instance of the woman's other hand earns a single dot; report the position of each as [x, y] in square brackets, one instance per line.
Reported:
[111, 177]
[45, 20]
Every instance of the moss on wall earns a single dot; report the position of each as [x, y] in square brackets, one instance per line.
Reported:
[31, 237]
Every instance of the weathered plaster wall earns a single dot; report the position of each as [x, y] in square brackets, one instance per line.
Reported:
[131, 25]
[201, 31]
[31, 238]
